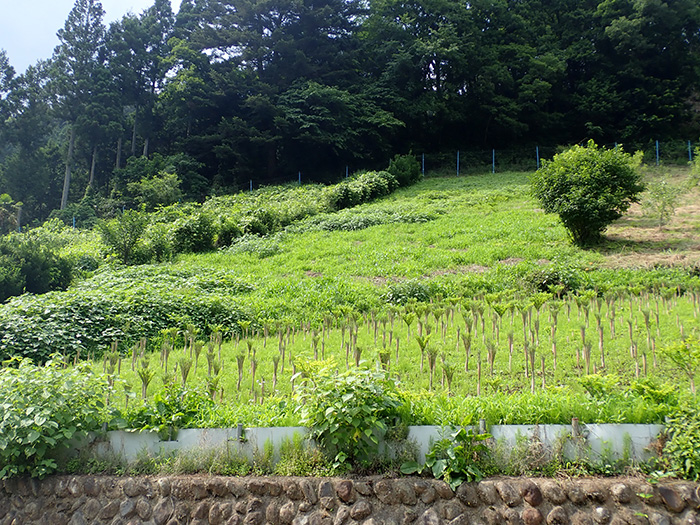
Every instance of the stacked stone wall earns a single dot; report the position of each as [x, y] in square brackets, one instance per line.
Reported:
[200, 500]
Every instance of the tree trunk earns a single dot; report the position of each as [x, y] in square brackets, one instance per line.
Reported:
[118, 162]
[145, 147]
[133, 134]
[69, 165]
[91, 182]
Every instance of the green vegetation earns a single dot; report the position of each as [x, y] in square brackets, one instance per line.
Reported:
[460, 292]
[42, 410]
[589, 188]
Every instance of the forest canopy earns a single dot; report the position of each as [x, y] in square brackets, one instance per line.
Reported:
[223, 92]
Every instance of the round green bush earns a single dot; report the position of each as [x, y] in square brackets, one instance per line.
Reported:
[589, 187]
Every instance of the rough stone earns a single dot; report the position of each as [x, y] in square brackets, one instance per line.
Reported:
[216, 515]
[594, 491]
[360, 510]
[254, 518]
[292, 490]
[91, 509]
[673, 501]
[218, 487]
[305, 506]
[582, 518]
[621, 493]
[341, 516]
[236, 487]
[272, 512]
[241, 507]
[327, 503]
[320, 517]
[254, 505]
[309, 491]
[325, 490]
[487, 492]
[553, 492]
[90, 487]
[532, 516]
[508, 494]
[201, 511]
[558, 516]
[601, 515]
[443, 490]
[127, 508]
[512, 517]
[577, 495]
[384, 490]
[257, 487]
[287, 513]
[450, 509]
[132, 488]
[691, 519]
[689, 495]
[492, 517]
[531, 493]
[409, 516]
[345, 491]
[143, 509]
[462, 519]
[658, 519]
[429, 517]
[405, 492]
[466, 493]
[363, 488]
[163, 511]
[164, 486]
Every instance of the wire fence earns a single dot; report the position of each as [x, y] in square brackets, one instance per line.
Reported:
[471, 161]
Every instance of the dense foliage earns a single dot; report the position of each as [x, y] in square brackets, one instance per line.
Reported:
[161, 106]
[43, 409]
[589, 188]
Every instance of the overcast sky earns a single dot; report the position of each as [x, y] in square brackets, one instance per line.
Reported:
[28, 27]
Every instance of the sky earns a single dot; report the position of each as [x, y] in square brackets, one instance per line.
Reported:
[28, 27]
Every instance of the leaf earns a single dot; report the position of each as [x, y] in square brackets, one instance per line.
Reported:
[411, 467]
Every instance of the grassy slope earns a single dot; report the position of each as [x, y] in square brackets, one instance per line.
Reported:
[487, 229]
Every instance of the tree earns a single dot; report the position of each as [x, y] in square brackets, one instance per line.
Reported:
[588, 187]
[76, 61]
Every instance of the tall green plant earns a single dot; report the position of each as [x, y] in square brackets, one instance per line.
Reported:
[348, 412]
[42, 409]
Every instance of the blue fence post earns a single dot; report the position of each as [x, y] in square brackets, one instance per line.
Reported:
[657, 152]
[493, 160]
[537, 153]
[74, 223]
[690, 152]
[251, 185]
[458, 163]
[300, 178]
[423, 164]
[347, 170]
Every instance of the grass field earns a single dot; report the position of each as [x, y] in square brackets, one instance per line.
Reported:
[464, 291]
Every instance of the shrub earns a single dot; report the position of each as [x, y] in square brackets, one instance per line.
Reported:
[660, 200]
[28, 265]
[123, 234]
[42, 410]
[194, 233]
[588, 187]
[681, 453]
[162, 189]
[348, 412]
[405, 169]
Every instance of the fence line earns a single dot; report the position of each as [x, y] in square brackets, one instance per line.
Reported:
[471, 161]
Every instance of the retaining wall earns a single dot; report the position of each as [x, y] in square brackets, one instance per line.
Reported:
[200, 500]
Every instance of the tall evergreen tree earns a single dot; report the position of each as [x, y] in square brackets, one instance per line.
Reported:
[76, 60]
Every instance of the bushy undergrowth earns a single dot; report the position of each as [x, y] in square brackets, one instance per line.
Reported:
[120, 307]
[43, 408]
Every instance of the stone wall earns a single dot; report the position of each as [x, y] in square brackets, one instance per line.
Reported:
[215, 500]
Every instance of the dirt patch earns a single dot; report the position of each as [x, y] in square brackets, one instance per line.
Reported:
[637, 240]
[310, 273]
